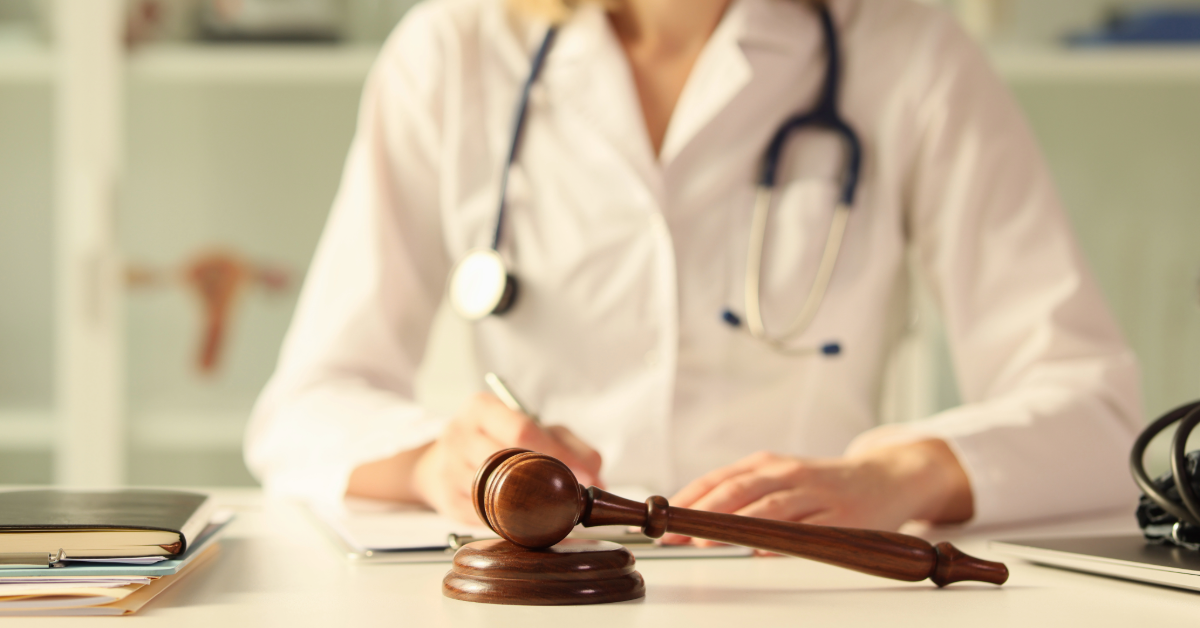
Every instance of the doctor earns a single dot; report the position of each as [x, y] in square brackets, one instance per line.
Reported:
[632, 223]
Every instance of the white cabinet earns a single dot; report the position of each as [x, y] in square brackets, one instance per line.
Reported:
[238, 149]
[229, 151]
[118, 169]
[26, 262]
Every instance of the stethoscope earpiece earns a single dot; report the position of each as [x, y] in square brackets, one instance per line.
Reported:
[480, 285]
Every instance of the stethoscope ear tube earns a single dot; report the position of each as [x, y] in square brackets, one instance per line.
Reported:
[480, 284]
[824, 116]
[1188, 417]
[816, 294]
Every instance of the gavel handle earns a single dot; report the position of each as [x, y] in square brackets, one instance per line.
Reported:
[886, 554]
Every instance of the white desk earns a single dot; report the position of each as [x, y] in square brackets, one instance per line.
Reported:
[277, 568]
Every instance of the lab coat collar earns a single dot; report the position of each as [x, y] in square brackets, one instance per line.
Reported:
[587, 71]
[742, 55]
[785, 27]
[588, 68]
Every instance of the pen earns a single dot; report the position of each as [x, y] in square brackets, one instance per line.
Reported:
[32, 560]
[498, 388]
[501, 391]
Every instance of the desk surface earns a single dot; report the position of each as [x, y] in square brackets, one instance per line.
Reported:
[277, 568]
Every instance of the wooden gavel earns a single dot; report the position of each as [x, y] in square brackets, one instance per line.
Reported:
[534, 501]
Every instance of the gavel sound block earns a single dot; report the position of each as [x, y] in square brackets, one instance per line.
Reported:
[533, 501]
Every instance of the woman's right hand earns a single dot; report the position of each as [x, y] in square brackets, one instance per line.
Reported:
[445, 470]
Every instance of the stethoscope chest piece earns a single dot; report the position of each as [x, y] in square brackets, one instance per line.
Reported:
[481, 286]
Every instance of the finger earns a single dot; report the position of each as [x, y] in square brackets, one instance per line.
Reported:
[701, 486]
[842, 518]
[458, 479]
[676, 539]
[829, 518]
[452, 497]
[461, 508]
[785, 505]
[464, 449]
[514, 429]
[476, 446]
[740, 491]
[582, 451]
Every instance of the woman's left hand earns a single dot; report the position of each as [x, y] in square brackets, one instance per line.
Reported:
[880, 489]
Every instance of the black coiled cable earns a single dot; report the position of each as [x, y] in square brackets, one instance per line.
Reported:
[1175, 520]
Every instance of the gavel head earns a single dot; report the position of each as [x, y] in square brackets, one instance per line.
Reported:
[529, 499]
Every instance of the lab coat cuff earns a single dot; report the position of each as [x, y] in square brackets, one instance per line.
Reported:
[322, 479]
[1016, 473]
[960, 429]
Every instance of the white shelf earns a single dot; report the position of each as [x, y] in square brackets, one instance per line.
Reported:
[222, 64]
[1123, 65]
[26, 64]
[34, 429]
[189, 431]
[251, 63]
[26, 429]
[279, 64]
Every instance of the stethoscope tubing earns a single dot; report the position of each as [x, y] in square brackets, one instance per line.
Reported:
[816, 294]
[1188, 417]
[1183, 479]
[535, 70]
[823, 116]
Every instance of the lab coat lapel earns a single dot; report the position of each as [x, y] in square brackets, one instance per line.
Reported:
[751, 47]
[720, 73]
[741, 59]
[587, 70]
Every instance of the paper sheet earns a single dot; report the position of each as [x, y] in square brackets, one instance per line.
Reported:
[391, 532]
[103, 601]
[77, 581]
[136, 560]
[56, 588]
[377, 525]
[42, 597]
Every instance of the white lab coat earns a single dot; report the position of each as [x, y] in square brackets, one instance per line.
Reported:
[626, 260]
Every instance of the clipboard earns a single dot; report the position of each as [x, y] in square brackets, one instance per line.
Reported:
[374, 531]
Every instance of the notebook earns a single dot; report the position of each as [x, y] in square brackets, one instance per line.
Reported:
[1126, 556]
[72, 569]
[101, 524]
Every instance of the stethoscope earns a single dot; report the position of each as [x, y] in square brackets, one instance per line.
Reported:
[481, 285]
[1185, 509]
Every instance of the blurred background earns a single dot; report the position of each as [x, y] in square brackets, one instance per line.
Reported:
[166, 167]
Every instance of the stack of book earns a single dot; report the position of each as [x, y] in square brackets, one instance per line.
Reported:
[99, 552]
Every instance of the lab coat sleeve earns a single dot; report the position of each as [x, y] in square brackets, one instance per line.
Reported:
[343, 391]
[1050, 389]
